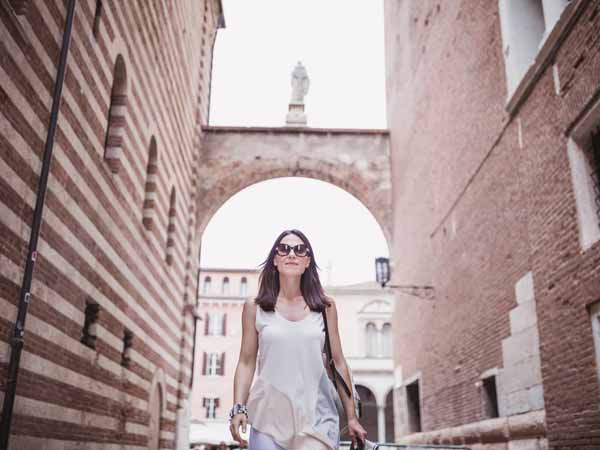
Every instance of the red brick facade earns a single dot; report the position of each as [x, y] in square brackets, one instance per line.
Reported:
[482, 197]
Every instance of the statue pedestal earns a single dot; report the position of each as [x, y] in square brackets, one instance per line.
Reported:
[295, 116]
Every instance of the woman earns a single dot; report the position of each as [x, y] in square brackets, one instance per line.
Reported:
[291, 404]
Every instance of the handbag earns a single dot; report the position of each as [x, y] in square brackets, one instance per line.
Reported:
[335, 375]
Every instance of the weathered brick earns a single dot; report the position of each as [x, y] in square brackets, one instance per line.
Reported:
[483, 198]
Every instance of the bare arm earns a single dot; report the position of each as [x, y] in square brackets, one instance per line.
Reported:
[339, 360]
[244, 371]
[247, 360]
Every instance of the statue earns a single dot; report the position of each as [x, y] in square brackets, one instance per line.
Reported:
[300, 83]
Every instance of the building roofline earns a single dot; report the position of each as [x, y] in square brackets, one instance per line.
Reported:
[221, 298]
[225, 269]
[294, 130]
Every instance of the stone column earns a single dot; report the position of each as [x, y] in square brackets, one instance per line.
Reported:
[182, 427]
[381, 422]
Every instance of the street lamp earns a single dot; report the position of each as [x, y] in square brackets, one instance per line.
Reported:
[382, 275]
[382, 270]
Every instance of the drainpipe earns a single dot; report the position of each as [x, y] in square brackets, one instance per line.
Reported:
[196, 319]
[17, 340]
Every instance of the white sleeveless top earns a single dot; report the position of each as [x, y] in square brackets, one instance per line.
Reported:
[292, 399]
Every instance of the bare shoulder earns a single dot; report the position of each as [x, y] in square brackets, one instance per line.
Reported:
[249, 309]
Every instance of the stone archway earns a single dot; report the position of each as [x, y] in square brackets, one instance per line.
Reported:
[369, 419]
[357, 161]
[156, 409]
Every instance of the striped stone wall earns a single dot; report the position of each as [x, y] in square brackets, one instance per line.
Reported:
[119, 232]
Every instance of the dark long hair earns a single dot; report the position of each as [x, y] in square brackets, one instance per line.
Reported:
[310, 284]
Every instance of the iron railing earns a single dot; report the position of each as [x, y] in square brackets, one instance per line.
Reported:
[391, 445]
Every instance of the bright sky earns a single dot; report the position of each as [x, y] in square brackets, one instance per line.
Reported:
[340, 42]
[341, 230]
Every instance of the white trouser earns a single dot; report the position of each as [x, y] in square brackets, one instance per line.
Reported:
[261, 441]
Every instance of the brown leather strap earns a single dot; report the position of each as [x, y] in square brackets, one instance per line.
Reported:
[334, 371]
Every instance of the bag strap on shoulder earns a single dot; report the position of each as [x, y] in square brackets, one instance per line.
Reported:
[334, 370]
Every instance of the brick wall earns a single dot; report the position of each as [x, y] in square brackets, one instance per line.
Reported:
[480, 199]
[94, 247]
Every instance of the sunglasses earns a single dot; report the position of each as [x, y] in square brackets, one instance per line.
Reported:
[299, 249]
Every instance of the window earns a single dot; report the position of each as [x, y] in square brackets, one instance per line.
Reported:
[117, 117]
[413, 405]
[155, 406]
[19, 6]
[127, 343]
[211, 405]
[213, 363]
[244, 287]
[92, 311]
[378, 342]
[151, 183]
[583, 149]
[595, 317]
[489, 397]
[216, 324]
[371, 331]
[171, 228]
[206, 286]
[386, 340]
[524, 25]
[225, 286]
[97, 17]
[552, 12]
[594, 173]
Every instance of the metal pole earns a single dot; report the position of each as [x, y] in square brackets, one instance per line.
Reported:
[17, 340]
[386, 445]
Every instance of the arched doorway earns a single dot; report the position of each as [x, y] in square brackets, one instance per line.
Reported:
[154, 409]
[208, 209]
[369, 413]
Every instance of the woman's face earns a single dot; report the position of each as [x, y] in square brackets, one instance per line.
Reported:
[291, 264]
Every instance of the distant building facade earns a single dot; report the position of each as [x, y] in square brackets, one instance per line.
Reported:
[221, 296]
[365, 314]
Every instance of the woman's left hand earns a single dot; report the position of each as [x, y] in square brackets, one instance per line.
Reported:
[356, 432]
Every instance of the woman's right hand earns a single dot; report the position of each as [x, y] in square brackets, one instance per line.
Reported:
[238, 420]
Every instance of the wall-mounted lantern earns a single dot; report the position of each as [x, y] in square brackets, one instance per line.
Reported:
[383, 275]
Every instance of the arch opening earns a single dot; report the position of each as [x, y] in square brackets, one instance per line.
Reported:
[307, 208]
